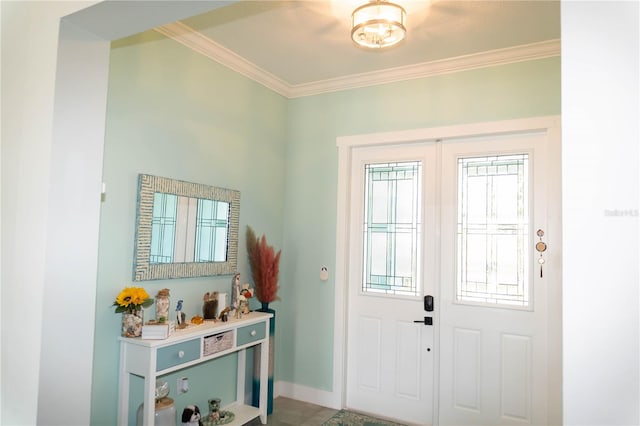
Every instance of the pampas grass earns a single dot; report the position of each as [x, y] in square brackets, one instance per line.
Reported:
[265, 266]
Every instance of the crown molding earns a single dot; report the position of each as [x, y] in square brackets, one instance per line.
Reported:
[197, 42]
[427, 69]
[190, 38]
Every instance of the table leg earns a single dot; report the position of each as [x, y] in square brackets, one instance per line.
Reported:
[264, 379]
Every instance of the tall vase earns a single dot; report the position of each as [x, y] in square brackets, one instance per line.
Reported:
[162, 308]
[256, 363]
[132, 323]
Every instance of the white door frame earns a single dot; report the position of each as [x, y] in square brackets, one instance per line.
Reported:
[548, 124]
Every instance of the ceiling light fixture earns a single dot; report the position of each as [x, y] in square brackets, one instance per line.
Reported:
[378, 24]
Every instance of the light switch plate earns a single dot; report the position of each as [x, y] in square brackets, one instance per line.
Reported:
[183, 385]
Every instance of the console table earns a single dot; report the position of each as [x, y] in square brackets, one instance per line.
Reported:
[193, 345]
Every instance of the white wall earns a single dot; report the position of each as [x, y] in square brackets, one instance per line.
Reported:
[73, 222]
[30, 41]
[600, 74]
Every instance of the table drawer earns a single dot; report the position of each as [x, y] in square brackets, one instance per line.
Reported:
[177, 354]
[251, 333]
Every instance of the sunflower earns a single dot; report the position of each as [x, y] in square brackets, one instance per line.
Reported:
[131, 299]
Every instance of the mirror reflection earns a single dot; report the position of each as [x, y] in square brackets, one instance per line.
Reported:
[185, 229]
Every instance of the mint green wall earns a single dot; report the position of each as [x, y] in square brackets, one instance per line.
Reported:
[174, 113]
[178, 114]
[305, 332]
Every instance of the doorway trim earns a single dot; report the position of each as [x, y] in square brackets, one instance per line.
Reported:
[547, 124]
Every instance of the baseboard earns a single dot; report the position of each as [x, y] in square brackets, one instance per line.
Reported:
[307, 394]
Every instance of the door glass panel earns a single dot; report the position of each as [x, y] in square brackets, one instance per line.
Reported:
[493, 230]
[392, 228]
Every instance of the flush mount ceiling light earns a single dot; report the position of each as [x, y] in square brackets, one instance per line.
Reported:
[378, 24]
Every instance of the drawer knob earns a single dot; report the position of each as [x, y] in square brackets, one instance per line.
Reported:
[180, 354]
[253, 333]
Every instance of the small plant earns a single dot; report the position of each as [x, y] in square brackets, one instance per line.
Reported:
[132, 299]
[265, 266]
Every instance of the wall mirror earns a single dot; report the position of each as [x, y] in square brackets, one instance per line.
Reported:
[184, 229]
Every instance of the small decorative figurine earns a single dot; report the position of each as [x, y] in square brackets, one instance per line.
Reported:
[242, 306]
[197, 320]
[214, 409]
[191, 416]
[248, 294]
[235, 291]
[224, 315]
[210, 307]
[181, 318]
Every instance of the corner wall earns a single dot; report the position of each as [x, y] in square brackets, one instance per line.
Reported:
[175, 113]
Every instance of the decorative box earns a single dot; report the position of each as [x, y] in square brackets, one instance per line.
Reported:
[158, 331]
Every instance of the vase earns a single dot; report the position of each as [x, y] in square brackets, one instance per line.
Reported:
[256, 363]
[165, 413]
[162, 308]
[132, 322]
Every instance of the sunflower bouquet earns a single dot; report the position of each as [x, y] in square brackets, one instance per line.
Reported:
[132, 299]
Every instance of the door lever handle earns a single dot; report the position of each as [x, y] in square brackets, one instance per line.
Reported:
[425, 321]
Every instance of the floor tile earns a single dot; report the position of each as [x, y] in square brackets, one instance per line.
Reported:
[289, 412]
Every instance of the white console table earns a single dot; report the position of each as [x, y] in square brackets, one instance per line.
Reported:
[190, 346]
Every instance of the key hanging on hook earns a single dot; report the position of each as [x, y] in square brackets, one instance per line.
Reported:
[541, 246]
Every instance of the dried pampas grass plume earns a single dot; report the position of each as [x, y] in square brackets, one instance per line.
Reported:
[265, 266]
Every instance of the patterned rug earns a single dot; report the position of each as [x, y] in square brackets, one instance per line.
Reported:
[348, 418]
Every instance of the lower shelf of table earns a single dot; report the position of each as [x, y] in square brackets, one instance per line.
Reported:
[243, 414]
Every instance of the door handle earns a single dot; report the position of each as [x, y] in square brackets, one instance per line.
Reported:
[425, 321]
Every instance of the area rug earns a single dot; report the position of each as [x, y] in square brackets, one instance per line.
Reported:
[349, 418]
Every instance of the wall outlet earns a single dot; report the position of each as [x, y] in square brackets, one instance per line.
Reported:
[183, 385]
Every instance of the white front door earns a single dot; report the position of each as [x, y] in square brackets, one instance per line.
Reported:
[390, 358]
[494, 317]
[469, 241]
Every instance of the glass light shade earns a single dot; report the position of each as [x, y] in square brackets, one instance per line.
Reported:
[378, 24]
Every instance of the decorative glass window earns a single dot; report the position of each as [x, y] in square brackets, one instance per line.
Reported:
[392, 228]
[493, 230]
